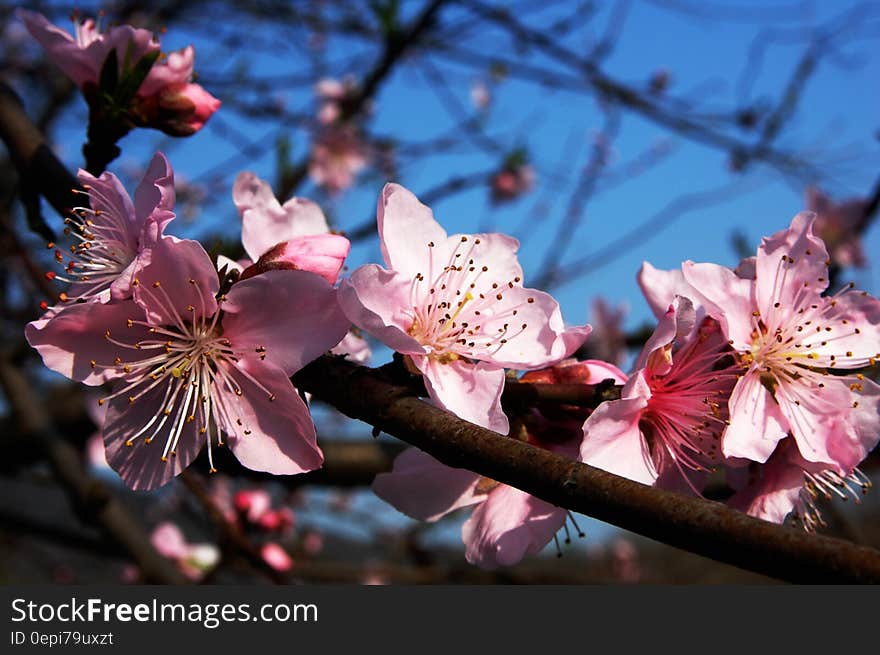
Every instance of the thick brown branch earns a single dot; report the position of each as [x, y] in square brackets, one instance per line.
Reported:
[700, 526]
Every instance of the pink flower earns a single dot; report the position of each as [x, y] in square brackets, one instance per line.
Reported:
[189, 366]
[113, 236]
[253, 503]
[789, 484]
[838, 225]
[506, 524]
[511, 182]
[165, 98]
[276, 557]
[333, 95]
[481, 96]
[787, 337]
[668, 421]
[455, 305]
[339, 153]
[193, 560]
[354, 347]
[82, 57]
[290, 236]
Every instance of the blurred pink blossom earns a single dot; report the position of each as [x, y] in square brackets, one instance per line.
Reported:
[838, 225]
[338, 154]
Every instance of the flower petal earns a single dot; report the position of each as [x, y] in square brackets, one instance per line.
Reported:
[282, 437]
[614, 443]
[789, 262]
[470, 391]
[322, 254]
[756, 422]
[508, 526]
[179, 280]
[265, 223]
[155, 195]
[291, 317]
[140, 465]
[423, 488]
[406, 227]
[728, 299]
[74, 337]
[378, 302]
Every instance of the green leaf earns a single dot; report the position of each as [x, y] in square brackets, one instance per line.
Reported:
[109, 74]
[132, 79]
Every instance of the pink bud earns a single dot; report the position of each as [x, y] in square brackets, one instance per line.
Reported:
[276, 557]
[322, 254]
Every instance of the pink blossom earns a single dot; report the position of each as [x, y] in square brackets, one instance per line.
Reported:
[787, 337]
[113, 236]
[787, 484]
[333, 94]
[354, 347]
[253, 503]
[82, 56]
[193, 560]
[838, 225]
[339, 153]
[313, 542]
[506, 524]
[276, 557]
[481, 96]
[668, 421]
[290, 236]
[455, 305]
[189, 366]
[511, 182]
[166, 98]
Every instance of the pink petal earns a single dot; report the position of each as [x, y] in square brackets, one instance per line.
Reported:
[536, 334]
[660, 287]
[173, 263]
[276, 557]
[756, 422]
[169, 541]
[781, 285]
[322, 254]
[678, 322]
[406, 227]
[508, 526]
[265, 222]
[155, 195]
[354, 347]
[140, 465]
[378, 302]
[291, 316]
[74, 337]
[175, 70]
[614, 443]
[728, 299]
[74, 61]
[470, 391]
[773, 495]
[854, 337]
[423, 488]
[282, 436]
[108, 197]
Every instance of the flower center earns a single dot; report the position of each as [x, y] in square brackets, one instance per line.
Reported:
[103, 248]
[461, 309]
[188, 367]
